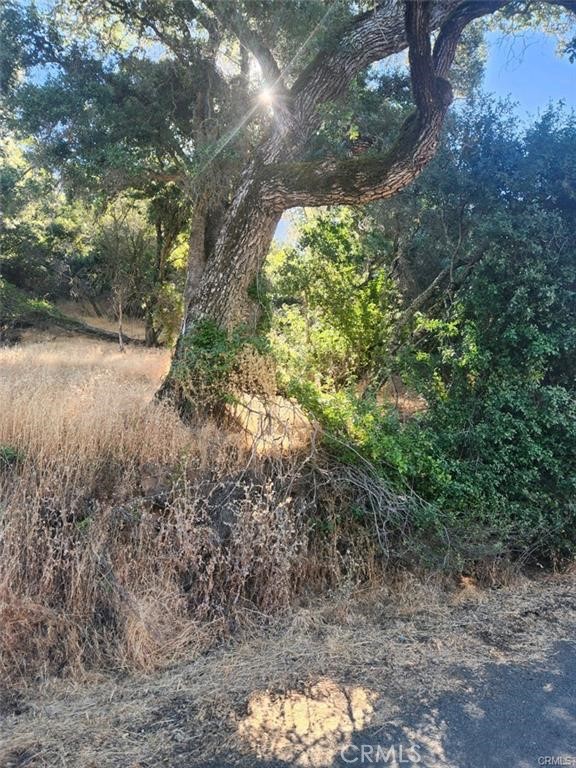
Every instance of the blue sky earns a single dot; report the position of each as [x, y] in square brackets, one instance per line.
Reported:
[528, 69]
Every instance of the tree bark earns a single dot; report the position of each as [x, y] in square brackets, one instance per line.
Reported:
[196, 259]
[237, 257]
[151, 335]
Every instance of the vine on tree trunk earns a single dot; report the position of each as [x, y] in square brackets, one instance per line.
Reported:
[214, 365]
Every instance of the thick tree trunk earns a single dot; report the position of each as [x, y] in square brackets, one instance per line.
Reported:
[231, 269]
[220, 276]
[151, 334]
[197, 255]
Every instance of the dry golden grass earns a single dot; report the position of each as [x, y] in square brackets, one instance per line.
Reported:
[75, 400]
[131, 326]
[103, 519]
[297, 692]
[128, 539]
[131, 542]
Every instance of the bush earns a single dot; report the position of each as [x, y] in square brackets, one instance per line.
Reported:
[491, 351]
[214, 365]
[10, 456]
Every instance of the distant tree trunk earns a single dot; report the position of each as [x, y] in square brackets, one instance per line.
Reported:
[119, 302]
[150, 333]
[94, 304]
[79, 291]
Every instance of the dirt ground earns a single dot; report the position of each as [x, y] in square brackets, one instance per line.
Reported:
[355, 666]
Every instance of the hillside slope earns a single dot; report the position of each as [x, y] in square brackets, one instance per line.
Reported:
[19, 310]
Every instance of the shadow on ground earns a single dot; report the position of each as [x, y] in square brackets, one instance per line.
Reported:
[510, 716]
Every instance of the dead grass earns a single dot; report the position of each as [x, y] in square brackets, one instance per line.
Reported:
[70, 406]
[297, 692]
[128, 540]
[131, 326]
[109, 553]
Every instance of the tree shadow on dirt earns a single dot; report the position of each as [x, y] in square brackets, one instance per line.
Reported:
[508, 716]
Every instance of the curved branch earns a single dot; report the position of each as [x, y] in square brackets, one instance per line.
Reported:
[373, 36]
[451, 30]
[420, 54]
[358, 180]
[370, 37]
[362, 180]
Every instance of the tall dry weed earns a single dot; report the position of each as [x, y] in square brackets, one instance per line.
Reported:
[127, 538]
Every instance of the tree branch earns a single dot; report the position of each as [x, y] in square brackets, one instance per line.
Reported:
[420, 55]
[373, 36]
[249, 39]
[451, 30]
[370, 37]
[362, 180]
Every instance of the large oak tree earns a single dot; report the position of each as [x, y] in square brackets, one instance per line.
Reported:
[308, 56]
[276, 179]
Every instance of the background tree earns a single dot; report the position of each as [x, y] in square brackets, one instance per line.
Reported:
[41, 232]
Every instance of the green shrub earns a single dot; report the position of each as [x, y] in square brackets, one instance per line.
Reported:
[10, 456]
[214, 365]
[492, 351]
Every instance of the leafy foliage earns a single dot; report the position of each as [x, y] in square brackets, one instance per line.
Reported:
[10, 456]
[335, 298]
[491, 353]
[18, 308]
